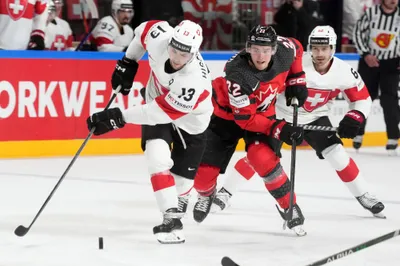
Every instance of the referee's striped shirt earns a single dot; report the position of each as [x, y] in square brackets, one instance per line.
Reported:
[377, 33]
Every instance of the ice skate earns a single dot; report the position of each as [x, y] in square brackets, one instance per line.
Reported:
[171, 229]
[183, 202]
[203, 206]
[391, 147]
[372, 204]
[297, 221]
[221, 200]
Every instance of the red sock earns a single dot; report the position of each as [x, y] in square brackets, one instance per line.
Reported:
[206, 179]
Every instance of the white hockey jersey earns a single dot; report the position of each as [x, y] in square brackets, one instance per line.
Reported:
[183, 97]
[323, 89]
[19, 19]
[109, 38]
[58, 35]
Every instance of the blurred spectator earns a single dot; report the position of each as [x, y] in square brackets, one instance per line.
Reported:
[168, 10]
[245, 18]
[297, 18]
[113, 33]
[75, 11]
[58, 33]
[352, 11]
[22, 24]
[215, 17]
[332, 12]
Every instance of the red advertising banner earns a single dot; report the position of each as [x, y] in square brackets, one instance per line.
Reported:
[47, 99]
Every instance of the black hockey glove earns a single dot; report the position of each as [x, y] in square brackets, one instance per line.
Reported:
[106, 121]
[350, 125]
[287, 133]
[296, 87]
[298, 91]
[36, 43]
[123, 75]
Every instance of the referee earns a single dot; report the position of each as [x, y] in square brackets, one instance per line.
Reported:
[376, 36]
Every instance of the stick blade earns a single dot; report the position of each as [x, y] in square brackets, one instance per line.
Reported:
[21, 231]
[226, 261]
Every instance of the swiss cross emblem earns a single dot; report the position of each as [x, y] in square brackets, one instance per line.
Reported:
[16, 8]
[59, 43]
[316, 98]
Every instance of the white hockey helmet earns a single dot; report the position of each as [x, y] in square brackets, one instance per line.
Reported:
[187, 37]
[124, 5]
[322, 35]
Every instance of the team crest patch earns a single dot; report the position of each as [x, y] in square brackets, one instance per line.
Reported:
[316, 98]
[16, 8]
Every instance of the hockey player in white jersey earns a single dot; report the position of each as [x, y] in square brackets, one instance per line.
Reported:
[58, 33]
[22, 24]
[177, 112]
[113, 33]
[326, 77]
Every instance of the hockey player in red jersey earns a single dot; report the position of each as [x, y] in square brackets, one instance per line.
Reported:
[174, 118]
[22, 24]
[326, 77]
[244, 108]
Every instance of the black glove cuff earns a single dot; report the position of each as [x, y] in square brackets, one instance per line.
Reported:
[129, 62]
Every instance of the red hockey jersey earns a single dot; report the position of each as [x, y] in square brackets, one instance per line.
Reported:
[19, 19]
[247, 95]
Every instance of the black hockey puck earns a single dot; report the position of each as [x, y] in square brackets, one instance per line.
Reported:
[101, 243]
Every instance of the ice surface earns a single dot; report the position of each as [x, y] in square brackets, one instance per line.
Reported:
[112, 197]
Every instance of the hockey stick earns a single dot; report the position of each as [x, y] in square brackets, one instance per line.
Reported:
[318, 128]
[289, 214]
[85, 38]
[226, 261]
[22, 230]
[85, 25]
[94, 15]
[354, 249]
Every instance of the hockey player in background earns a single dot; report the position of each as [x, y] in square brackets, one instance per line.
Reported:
[326, 77]
[177, 112]
[113, 33]
[22, 24]
[244, 108]
[58, 33]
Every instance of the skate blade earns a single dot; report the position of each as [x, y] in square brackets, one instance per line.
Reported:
[392, 152]
[299, 230]
[174, 215]
[379, 215]
[175, 237]
[215, 208]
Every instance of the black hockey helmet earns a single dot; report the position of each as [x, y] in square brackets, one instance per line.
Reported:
[262, 35]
